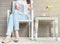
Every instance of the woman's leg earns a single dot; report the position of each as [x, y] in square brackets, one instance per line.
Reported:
[16, 24]
[9, 28]
[18, 16]
[16, 35]
[10, 25]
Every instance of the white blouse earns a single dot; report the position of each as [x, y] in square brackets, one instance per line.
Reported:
[23, 6]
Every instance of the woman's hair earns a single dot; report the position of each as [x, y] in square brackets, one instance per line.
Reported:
[28, 1]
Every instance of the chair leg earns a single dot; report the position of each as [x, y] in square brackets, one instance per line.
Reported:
[32, 31]
[29, 29]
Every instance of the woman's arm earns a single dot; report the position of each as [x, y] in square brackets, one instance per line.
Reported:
[30, 7]
[17, 7]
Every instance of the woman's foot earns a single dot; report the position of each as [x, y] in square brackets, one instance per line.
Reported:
[16, 40]
[7, 39]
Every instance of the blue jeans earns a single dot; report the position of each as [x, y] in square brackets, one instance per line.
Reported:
[13, 21]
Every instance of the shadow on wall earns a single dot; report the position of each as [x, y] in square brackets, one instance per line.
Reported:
[24, 30]
[44, 29]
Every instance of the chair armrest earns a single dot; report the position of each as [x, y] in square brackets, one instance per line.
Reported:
[8, 14]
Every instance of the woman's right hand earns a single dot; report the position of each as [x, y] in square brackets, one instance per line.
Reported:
[17, 7]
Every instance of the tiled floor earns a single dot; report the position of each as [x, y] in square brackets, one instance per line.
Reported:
[24, 40]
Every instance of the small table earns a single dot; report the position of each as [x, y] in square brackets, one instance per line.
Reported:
[54, 29]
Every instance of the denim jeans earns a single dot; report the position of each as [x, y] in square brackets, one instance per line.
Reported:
[13, 21]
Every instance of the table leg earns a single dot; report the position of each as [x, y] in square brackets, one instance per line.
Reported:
[52, 28]
[56, 29]
[36, 29]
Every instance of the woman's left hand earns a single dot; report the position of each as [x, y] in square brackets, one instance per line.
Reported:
[30, 7]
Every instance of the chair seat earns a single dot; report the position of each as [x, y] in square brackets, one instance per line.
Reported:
[25, 21]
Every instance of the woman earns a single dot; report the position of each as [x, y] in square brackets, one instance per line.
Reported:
[20, 13]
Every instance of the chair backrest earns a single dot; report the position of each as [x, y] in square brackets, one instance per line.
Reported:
[31, 12]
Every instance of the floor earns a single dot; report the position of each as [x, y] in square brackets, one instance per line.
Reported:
[25, 40]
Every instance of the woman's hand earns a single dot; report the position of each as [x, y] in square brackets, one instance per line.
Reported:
[17, 7]
[30, 7]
